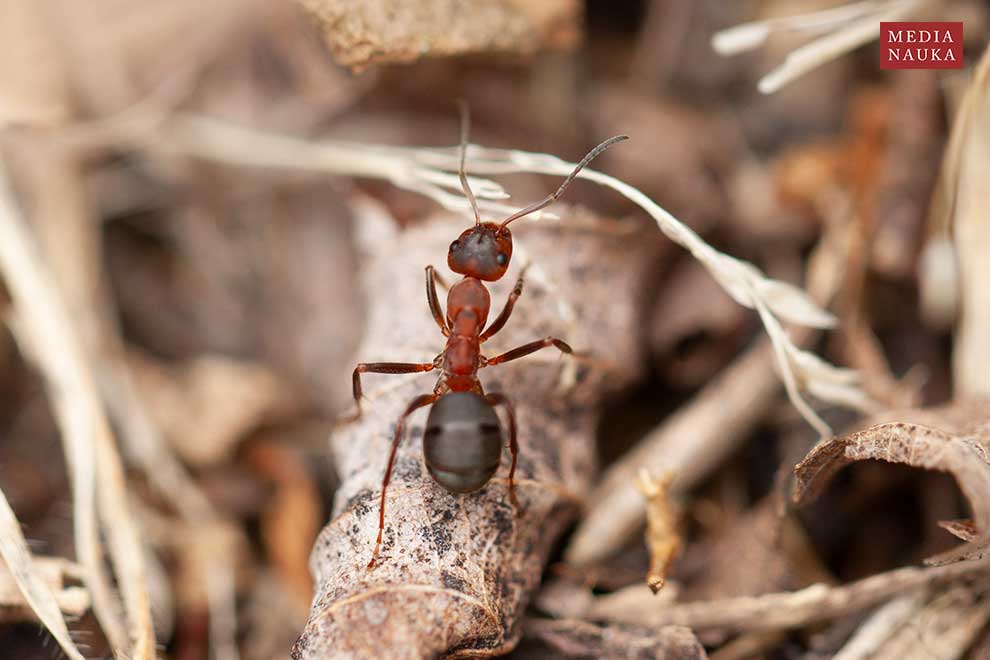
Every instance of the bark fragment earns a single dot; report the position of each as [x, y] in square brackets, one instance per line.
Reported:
[360, 33]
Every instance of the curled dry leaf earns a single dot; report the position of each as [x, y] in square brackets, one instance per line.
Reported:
[456, 572]
[954, 439]
[359, 32]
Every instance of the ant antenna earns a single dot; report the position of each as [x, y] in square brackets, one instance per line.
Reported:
[550, 199]
[465, 123]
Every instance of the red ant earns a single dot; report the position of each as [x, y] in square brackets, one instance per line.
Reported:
[462, 441]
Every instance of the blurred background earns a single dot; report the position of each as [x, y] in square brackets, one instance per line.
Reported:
[212, 272]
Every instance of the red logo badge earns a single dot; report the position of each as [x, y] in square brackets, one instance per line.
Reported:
[918, 45]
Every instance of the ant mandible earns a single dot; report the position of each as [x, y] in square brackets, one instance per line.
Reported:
[462, 442]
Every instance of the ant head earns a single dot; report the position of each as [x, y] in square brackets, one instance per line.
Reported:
[483, 251]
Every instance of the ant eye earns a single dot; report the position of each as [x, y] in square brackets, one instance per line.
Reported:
[502, 258]
[454, 245]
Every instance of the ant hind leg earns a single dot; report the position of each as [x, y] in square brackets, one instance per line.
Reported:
[497, 399]
[418, 402]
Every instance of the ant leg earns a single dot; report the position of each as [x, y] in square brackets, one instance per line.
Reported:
[500, 399]
[527, 349]
[431, 297]
[383, 368]
[418, 402]
[506, 312]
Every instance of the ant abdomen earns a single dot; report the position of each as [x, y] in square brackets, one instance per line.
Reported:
[462, 443]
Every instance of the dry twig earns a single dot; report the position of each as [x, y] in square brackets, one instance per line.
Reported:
[662, 538]
[818, 602]
[881, 624]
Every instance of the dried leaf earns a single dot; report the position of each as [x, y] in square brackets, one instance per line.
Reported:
[456, 571]
[953, 439]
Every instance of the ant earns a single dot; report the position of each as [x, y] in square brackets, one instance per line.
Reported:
[462, 441]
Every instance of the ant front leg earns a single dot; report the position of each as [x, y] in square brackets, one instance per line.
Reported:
[418, 402]
[527, 349]
[497, 399]
[506, 312]
[382, 368]
[434, 301]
